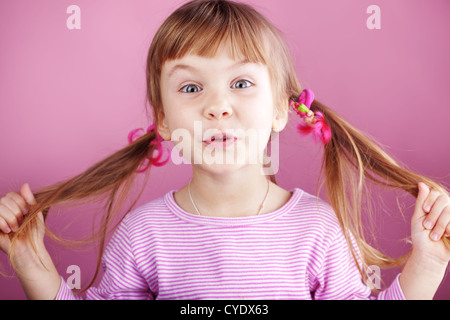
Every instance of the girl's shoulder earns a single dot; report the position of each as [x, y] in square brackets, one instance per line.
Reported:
[314, 210]
[155, 210]
[315, 221]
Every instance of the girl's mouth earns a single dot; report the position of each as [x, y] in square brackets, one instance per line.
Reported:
[220, 141]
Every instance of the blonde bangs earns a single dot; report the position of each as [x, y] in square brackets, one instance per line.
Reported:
[204, 31]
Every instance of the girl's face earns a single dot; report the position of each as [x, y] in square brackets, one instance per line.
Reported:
[220, 105]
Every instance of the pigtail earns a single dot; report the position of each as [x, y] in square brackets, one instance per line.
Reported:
[112, 177]
[350, 161]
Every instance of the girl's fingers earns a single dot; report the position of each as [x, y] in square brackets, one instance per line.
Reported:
[12, 205]
[12, 210]
[9, 218]
[19, 201]
[430, 200]
[441, 225]
[4, 227]
[441, 201]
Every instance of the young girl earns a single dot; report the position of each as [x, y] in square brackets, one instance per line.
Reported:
[217, 72]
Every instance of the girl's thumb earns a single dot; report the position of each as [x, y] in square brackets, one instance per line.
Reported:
[25, 192]
[421, 196]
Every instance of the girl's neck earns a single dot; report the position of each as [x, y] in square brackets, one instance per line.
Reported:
[238, 194]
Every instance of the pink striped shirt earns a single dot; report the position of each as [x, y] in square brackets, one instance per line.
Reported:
[160, 251]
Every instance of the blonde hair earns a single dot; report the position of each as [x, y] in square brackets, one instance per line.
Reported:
[201, 27]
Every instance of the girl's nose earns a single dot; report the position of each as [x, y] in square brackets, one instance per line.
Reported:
[217, 108]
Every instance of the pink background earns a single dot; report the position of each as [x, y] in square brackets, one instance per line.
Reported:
[68, 98]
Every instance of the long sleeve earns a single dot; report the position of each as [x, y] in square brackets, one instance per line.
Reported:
[338, 278]
[121, 277]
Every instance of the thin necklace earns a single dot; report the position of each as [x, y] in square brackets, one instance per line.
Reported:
[260, 208]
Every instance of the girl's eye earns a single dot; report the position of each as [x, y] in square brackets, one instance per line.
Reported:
[241, 84]
[190, 88]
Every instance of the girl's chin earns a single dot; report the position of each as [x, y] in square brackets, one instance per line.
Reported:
[228, 168]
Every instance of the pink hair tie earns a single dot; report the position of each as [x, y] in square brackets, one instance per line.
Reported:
[155, 160]
[314, 121]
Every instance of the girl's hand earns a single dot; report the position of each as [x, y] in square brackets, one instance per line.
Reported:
[34, 266]
[13, 208]
[431, 222]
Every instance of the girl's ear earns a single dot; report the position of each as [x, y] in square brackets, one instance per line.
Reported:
[163, 128]
[280, 119]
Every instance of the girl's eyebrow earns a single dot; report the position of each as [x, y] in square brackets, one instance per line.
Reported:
[181, 66]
